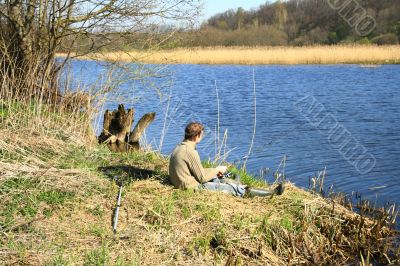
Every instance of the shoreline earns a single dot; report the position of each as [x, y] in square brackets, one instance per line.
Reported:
[367, 55]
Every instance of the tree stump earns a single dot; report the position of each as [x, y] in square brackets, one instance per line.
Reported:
[117, 129]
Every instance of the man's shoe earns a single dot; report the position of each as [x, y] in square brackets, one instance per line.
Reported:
[265, 193]
[252, 192]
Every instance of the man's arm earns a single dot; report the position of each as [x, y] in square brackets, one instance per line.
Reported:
[196, 168]
[201, 174]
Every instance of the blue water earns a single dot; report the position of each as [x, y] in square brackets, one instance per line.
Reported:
[364, 101]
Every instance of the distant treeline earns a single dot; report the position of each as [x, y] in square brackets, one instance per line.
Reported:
[305, 22]
[292, 22]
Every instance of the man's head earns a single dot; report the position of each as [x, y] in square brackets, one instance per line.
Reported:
[194, 132]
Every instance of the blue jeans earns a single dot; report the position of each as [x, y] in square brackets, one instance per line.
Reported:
[225, 186]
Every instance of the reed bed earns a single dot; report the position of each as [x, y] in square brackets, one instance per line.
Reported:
[369, 54]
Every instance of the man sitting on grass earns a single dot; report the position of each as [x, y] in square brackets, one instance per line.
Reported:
[186, 170]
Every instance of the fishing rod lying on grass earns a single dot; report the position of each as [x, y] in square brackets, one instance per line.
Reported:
[116, 210]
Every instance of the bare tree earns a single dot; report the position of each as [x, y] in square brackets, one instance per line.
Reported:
[32, 31]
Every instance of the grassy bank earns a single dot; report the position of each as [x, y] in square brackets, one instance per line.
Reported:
[368, 54]
[58, 197]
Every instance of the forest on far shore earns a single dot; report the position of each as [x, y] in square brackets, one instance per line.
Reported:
[303, 22]
[279, 23]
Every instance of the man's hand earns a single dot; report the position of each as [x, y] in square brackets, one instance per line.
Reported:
[221, 169]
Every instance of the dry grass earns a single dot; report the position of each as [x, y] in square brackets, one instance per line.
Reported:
[58, 198]
[159, 225]
[369, 54]
[163, 226]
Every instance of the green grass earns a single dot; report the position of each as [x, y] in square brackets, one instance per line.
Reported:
[240, 222]
[3, 111]
[248, 179]
[96, 211]
[199, 244]
[182, 197]
[55, 196]
[163, 210]
[97, 257]
[24, 111]
[22, 197]
[245, 178]
[7, 107]
[82, 158]
[208, 212]
[219, 240]
[99, 231]
[287, 223]
[113, 164]
[167, 210]
[216, 239]
[59, 260]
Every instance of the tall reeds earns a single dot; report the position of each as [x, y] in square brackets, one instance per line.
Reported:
[343, 54]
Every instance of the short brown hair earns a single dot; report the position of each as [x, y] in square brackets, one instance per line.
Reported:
[193, 129]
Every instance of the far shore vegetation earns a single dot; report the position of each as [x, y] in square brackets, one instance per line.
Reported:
[291, 23]
[277, 32]
[338, 54]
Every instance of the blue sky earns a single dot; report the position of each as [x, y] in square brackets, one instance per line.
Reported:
[212, 7]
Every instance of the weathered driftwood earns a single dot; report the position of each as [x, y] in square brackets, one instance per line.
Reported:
[117, 129]
[144, 122]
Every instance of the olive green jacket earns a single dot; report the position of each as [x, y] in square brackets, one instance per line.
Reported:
[185, 169]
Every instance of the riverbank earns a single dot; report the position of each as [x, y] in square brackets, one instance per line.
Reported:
[368, 54]
[58, 199]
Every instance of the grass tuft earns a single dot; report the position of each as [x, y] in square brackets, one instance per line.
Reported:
[97, 257]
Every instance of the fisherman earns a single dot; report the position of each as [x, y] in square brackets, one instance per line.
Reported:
[187, 172]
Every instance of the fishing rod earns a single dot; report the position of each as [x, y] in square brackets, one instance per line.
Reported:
[116, 211]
